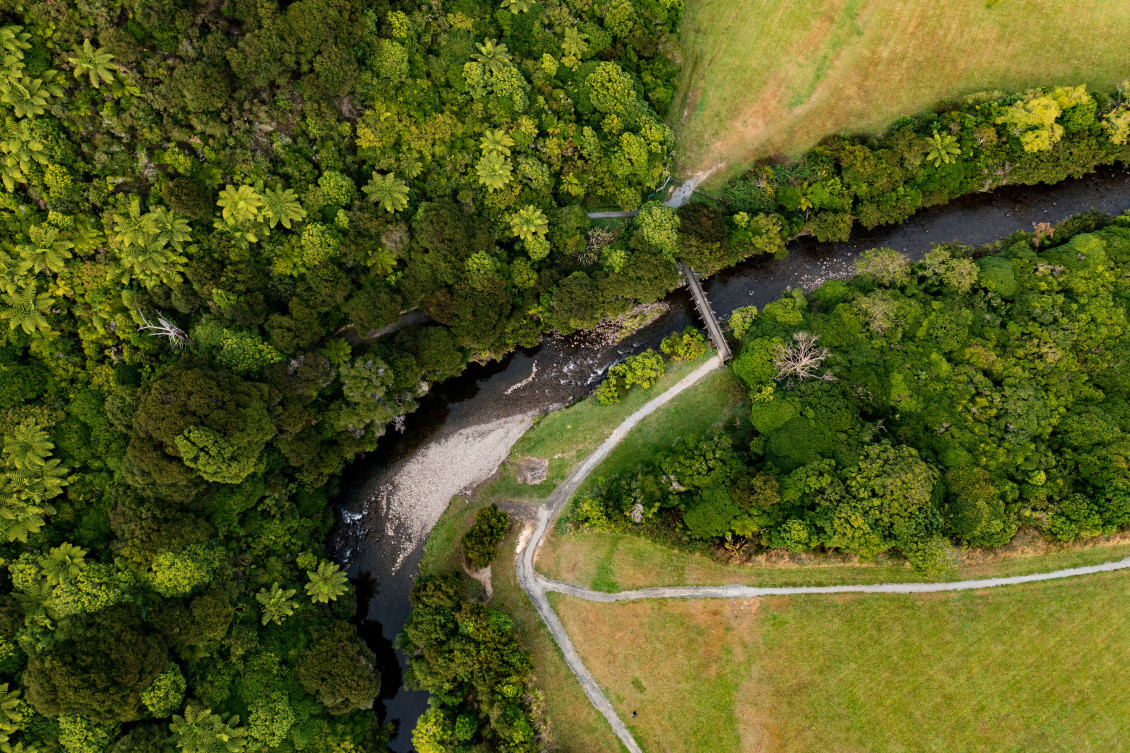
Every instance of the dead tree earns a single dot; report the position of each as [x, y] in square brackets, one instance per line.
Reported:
[801, 359]
[164, 327]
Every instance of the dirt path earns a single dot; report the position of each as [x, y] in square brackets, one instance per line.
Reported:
[532, 584]
[536, 586]
[683, 193]
[679, 196]
[745, 592]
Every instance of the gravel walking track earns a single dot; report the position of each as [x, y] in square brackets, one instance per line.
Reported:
[536, 586]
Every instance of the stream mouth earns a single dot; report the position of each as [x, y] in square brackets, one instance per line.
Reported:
[563, 369]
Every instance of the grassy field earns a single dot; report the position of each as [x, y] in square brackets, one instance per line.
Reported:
[767, 77]
[1035, 668]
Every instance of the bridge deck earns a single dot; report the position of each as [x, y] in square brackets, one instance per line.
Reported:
[713, 328]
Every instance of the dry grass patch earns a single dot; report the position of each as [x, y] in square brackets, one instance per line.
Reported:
[617, 562]
[764, 77]
[642, 654]
[1035, 668]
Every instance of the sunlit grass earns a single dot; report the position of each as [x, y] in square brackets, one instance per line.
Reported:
[616, 561]
[767, 77]
[1033, 668]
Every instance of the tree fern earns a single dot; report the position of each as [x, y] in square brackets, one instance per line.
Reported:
[27, 97]
[22, 148]
[277, 603]
[943, 149]
[497, 141]
[387, 192]
[167, 228]
[494, 57]
[529, 223]
[240, 205]
[11, 710]
[92, 63]
[494, 171]
[27, 445]
[326, 583]
[14, 40]
[282, 207]
[202, 731]
[21, 522]
[26, 309]
[47, 250]
[63, 563]
[575, 43]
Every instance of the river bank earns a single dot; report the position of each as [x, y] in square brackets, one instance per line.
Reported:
[563, 369]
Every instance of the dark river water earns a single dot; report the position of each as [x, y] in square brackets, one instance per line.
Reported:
[569, 368]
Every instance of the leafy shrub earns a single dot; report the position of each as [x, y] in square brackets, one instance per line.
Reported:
[470, 659]
[712, 514]
[480, 543]
[997, 276]
[741, 319]
[246, 353]
[643, 369]
[684, 346]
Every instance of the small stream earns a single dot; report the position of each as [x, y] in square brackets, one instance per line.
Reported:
[570, 367]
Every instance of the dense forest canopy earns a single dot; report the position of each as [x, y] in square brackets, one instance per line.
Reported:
[208, 209]
[917, 406]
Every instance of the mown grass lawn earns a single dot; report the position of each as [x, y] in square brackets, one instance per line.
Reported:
[767, 77]
[1035, 668]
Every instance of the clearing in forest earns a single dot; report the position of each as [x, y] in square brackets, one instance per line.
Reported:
[774, 77]
[1034, 667]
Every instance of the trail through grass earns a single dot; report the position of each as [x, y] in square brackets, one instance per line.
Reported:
[620, 562]
[718, 402]
[568, 436]
[1039, 667]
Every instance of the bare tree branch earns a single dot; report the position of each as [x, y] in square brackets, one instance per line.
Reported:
[164, 327]
[802, 359]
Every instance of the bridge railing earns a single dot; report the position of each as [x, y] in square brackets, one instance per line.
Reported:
[713, 328]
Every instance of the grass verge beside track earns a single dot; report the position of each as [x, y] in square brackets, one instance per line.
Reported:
[620, 562]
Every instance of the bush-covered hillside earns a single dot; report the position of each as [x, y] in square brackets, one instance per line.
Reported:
[208, 210]
[915, 406]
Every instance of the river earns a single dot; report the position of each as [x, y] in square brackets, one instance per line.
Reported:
[382, 555]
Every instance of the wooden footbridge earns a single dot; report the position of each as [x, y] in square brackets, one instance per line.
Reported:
[713, 328]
